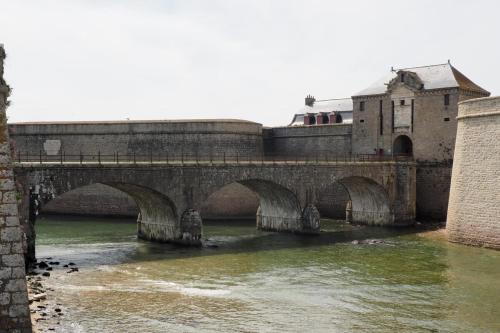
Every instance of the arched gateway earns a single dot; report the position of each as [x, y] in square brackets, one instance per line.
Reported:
[403, 146]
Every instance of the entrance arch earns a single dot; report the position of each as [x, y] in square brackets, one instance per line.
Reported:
[402, 146]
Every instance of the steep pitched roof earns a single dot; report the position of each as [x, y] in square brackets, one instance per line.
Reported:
[433, 77]
[328, 105]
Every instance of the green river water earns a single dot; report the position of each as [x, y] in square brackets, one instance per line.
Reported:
[246, 280]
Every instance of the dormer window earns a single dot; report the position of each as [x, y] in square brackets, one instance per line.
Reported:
[403, 77]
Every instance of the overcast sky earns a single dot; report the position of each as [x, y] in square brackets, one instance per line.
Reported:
[254, 59]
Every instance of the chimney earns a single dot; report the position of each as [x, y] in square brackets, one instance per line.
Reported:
[310, 100]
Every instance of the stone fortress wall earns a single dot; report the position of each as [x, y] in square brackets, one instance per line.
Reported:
[237, 137]
[474, 205]
[310, 141]
[14, 311]
[175, 137]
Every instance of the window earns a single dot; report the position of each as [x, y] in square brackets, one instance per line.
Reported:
[402, 77]
[402, 102]
[412, 112]
[312, 120]
[446, 119]
[381, 118]
[361, 120]
[362, 106]
[325, 119]
[392, 120]
[447, 99]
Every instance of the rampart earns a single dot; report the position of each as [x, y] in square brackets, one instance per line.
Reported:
[14, 311]
[474, 205]
[314, 141]
[175, 137]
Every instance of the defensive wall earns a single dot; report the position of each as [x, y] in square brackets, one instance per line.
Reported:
[313, 141]
[206, 138]
[474, 206]
[192, 138]
[189, 138]
[14, 311]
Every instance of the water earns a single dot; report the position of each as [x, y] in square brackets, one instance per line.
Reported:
[268, 282]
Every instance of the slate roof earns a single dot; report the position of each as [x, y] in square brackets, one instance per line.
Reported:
[433, 77]
[341, 105]
[328, 105]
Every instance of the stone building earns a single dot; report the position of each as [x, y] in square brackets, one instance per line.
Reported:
[412, 111]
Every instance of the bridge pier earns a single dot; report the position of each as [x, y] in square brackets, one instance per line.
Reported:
[307, 223]
[191, 227]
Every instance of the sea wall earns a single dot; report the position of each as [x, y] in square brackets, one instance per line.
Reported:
[474, 205]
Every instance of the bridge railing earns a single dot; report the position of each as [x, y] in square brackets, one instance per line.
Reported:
[164, 157]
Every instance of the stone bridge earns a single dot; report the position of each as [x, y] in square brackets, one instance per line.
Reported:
[169, 195]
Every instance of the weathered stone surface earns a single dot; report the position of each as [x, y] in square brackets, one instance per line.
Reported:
[8, 209]
[9, 197]
[311, 219]
[16, 285]
[191, 227]
[12, 221]
[10, 234]
[474, 208]
[5, 273]
[13, 260]
[7, 184]
[14, 311]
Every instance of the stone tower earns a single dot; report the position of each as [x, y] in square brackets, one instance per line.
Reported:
[474, 208]
[14, 310]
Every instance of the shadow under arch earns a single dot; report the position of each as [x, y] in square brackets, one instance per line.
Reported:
[369, 201]
[278, 207]
[158, 218]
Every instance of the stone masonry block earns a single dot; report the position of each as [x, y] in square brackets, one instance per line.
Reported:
[5, 273]
[4, 298]
[13, 260]
[8, 209]
[12, 221]
[18, 310]
[7, 185]
[16, 285]
[6, 173]
[5, 248]
[10, 234]
[18, 273]
[19, 298]
[9, 197]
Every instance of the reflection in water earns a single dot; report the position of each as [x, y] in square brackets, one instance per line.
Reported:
[245, 280]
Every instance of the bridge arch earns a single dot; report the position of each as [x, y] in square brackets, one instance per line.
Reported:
[369, 201]
[277, 209]
[158, 217]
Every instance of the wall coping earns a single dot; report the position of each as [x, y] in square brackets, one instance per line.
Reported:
[479, 107]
